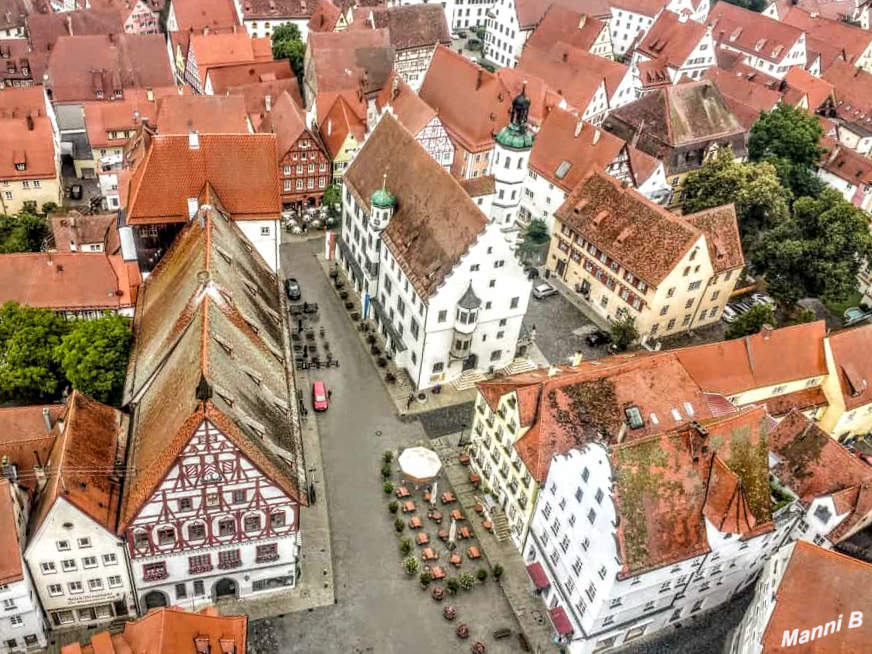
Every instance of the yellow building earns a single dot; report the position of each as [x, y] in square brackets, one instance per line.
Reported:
[849, 363]
[342, 131]
[626, 255]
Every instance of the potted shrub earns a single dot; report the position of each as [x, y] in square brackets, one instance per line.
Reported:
[462, 631]
[452, 585]
[399, 525]
[410, 565]
[466, 581]
[388, 456]
[406, 546]
[498, 572]
[478, 647]
[388, 487]
[481, 573]
[386, 470]
[393, 506]
[449, 612]
[425, 578]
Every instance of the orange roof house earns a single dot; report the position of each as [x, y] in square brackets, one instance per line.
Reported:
[207, 51]
[205, 114]
[26, 437]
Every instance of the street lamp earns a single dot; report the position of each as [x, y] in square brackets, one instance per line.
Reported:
[461, 442]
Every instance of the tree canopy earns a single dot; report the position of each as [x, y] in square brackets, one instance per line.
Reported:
[23, 232]
[534, 239]
[332, 200]
[624, 332]
[93, 356]
[28, 338]
[818, 251]
[287, 44]
[751, 321]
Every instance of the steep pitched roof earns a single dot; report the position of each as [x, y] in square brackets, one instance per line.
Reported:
[80, 229]
[88, 446]
[666, 484]
[26, 439]
[833, 9]
[846, 164]
[226, 48]
[45, 29]
[815, 89]
[850, 348]
[68, 280]
[26, 136]
[240, 168]
[751, 32]
[838, 584]
[11, 568]
[407, 106]
[277, 8]
[197, 15]
[852, 87]
[260, 96]
[531, 12]
[745, 98]
[207, 114]
[410, 26]
[340, 121]
[350, 60]
[644, 237]
[473, 104]
[850, 41]
[674, 116]
[721, 228]
[571, 26]
[434, 223]
[287, 122]
[671, 40]
[224, 78]
[325, 17]
[758, 361]
[541, 96]
[209, 315]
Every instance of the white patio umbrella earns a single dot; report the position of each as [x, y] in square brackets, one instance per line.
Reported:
[419, 464]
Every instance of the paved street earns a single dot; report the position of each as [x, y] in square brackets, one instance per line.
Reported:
[560, 329]
[379, 609]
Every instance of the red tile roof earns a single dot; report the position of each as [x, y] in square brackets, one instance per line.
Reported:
[255, 96]
[745, 97]
[123, 61]
[206, 114]
[223, 49]
[171, 631]
[78, 229]
[226, 77]
[849, 41]
[26, 136]
[846, 164]
[88, 446]
[562, 23]
[721, 228]
[541, 96]
[349, 60]
[815, 89]
[409, 26]
[239, 167]
[833, 9]
[838, 584]
[758, 361]
[340, 121]
[473, 104]
[407, 106]
[45, 29]
[853, 92]
[121, 115]
[11, 568]
[277, 9]
[802, 400]
[68, 280]
[644, 7]
[671, 39]
[288, 123]
[531, 12]
[325, 17]
[667, 483]
[26, 439]
[197, 15]
[752, 33]
[478, 186]
[853, 367]
[433, 224]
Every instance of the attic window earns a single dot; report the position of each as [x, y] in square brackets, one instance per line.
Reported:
[20, 166]
[823, 514]
[224, 395]
[228, 645]
[654, 419]
[736, 33]
[281, 405]
[759, 45]
[202, 644]
[676, 415]
[562, 169]
[688, 409]
[250, 287]
[193, 205]
[634, 417]
[224, 343]
[600, 217]
[777, 50]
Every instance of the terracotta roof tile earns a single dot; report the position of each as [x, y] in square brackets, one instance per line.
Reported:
[350, 60]
[11, 567]
[838, 583]
[721, 228]
[88, 445]
[206, 114]
[67, 280]
[531, 12]
[853, 366]
[122, 114]
[801, 400]
[644, 7]
[849, 41]
[341, 120]
[25, 438]
[541, 96]
[478, 186]
[74, 227]
[433, 224]
[473, 104]
[833, 9]
[224, 78]
[571, 26]
[126, 60]
[752, 33]
[227, 48]
[288, 123]
[407, 106]
[846, 164]
[45, 29]
[853, 92]
[815, 89]
[26, 136]
[20, 65]
[325, 17]
[745, 97]
[667, 483]
[196, 15]
[641, 235]
[255, 96]
[670, 39]
[409, 26]
[239, 167]
[277, 8]
[758, 361]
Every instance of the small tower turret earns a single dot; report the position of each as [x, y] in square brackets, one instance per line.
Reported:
[382, 204]
[514, 143]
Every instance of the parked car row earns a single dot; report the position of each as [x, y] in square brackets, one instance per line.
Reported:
[735, 309]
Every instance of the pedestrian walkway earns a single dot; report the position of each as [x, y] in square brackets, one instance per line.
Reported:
[579, 303]
[528, 608]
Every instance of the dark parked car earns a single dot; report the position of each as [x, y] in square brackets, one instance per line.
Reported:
[292, 289]
[76, 192]
[598, 338]
[461, 34]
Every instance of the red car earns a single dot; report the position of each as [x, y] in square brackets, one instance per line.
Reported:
[319, 396]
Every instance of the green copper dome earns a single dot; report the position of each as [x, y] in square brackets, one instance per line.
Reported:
[515, 137]
[383, 199]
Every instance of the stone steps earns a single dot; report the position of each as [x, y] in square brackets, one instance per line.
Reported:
[517, 366]
[468, 380]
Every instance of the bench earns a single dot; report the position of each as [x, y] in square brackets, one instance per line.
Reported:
[505, 632]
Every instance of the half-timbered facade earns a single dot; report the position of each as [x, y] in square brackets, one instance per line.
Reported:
[211, 507]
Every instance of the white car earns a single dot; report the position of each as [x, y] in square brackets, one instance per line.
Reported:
[729, 315]
[759, 298]
[542, 291]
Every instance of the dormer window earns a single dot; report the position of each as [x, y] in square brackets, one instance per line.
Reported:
[634, 417]
[99, 94]
[20, 166]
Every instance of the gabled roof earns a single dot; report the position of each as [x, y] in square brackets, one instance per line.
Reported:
[837, 584]
[853, 92]
[833, 9]
[79, 66]
[644, 7]
[745, 98]
[670, 39]
[287, 122]
[11, 568]
[197, 15]
[208, 345]
[68, 280]
[531, 12]
[123, 114]
[80, 229]
[227, 48]
[476, 187]
[45, 29]
[340, 121]
[644, 237]
[675, 116]
[434, 223]
[850, 348]
[277, 8]
[473, 104]
[573, 73]
[571, 26]
[26, 439]
[721, 228]
[752, 32]
[407, 106]
[207, 114]
[89, 444]
[666, 484]
[350, 60]
[26, 136]
[541, 96]
[239, 167]
[845, 163]
[171, 630]
[758, 361]
[325, 17]
[815, 89]
[224, 78]
[259, 95]
[409, 26]
[850, 41]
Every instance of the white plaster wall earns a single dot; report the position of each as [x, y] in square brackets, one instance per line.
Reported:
[265, 237]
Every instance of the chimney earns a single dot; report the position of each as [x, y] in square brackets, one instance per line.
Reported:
[69, 25]
[596, 136]
[112, 38]
[552, 371]
[766, 332]
[29, 123]
[206, 30]
[267, 102]
[46, 419]
[39, 475]
[193, 140]
[565, 57]
[478, 80]
[582, 20]
[579, 125]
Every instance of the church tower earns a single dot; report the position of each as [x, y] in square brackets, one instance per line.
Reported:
[511, 162]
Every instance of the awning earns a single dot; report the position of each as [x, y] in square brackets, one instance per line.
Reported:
[385, 320]
[349, 257]
[561, 621]
[538, 576]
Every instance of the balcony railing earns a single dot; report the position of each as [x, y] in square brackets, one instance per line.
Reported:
[229, 564]
[155, 575]
[200, 569]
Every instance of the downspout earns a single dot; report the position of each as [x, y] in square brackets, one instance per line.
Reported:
[423, 347]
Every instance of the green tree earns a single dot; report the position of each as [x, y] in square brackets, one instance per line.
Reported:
[817, 252]
[287, 44]
[332, 200]
[534, 239]
[789, 138]
[624, 332]
[28, 338]
[761, 201]
[93, 356]
[24, 232]
[751, 321]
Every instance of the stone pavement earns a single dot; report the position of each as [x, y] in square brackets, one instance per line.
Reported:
[576, 300]
[528, 608]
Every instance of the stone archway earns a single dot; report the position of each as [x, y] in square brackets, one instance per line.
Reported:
[226, 588]
[155, 599]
